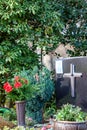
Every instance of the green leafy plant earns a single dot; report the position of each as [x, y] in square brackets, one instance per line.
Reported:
[20, 87]
[69, 112]
[50, 108]
[49, 112]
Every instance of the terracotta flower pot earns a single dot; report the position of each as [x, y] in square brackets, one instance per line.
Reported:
[69, 125]
[20, 110]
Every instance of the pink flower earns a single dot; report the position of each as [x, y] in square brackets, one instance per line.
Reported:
[16, 78]
[43, 128]
[30, 119]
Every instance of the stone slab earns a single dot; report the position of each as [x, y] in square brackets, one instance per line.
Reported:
[63, 85]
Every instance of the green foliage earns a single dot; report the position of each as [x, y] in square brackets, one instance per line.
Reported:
[69, 112]
[12, 115]
[14, 37]
[50, 108]
[49, 112]
[5, 113]
[24, 25]
[8, 114]
[43, 80]
[29, 122]
[75, 18]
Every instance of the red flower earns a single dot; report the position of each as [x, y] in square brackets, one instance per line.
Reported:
[16, 78]
[7, 87]
[17, 84]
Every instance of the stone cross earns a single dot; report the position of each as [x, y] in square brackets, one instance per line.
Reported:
[72, 75]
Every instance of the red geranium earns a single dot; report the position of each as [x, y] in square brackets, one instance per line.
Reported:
[7, 87]
[21, 88]
[17, 84]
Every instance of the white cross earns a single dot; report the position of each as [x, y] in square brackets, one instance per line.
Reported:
[72, 75]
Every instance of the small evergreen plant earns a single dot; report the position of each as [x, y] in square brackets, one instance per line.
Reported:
[40, 78]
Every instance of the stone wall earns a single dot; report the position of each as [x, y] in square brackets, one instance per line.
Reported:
[60, 51]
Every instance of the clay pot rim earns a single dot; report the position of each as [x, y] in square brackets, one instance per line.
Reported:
[70, 122]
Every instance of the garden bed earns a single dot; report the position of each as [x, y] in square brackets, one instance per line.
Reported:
[5, 123]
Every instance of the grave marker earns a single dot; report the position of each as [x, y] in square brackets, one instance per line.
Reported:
[71, 83]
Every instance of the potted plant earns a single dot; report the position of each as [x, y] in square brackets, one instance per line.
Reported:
[19, 89]
[70, 117]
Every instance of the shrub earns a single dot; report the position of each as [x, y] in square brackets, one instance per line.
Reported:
[43, 80]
